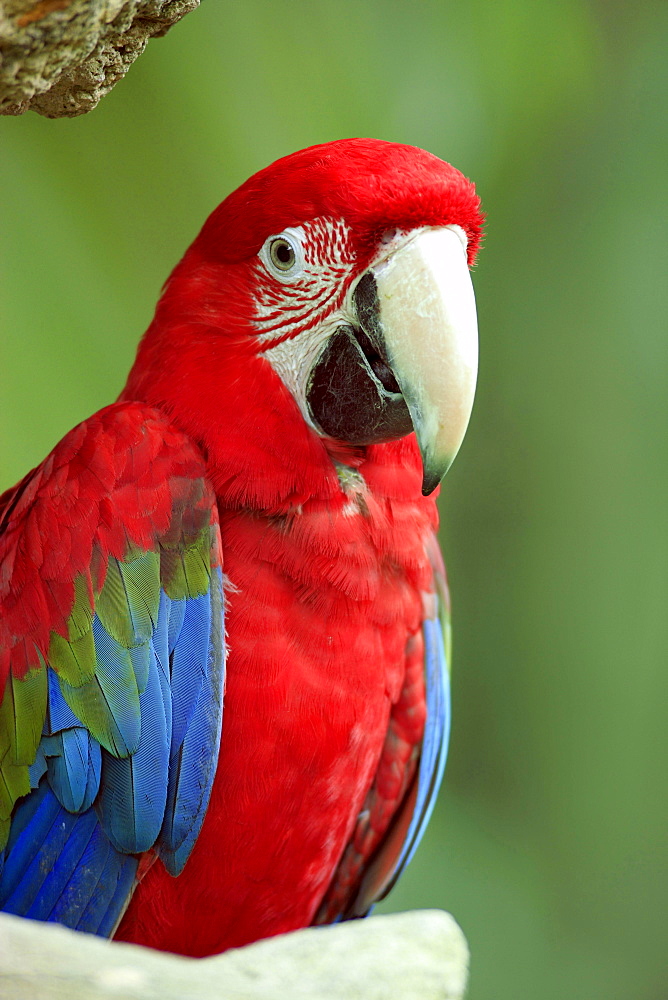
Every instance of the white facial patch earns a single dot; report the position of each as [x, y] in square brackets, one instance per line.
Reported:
[286, 304]
[295, 317]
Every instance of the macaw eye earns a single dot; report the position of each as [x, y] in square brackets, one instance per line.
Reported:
[282, 254]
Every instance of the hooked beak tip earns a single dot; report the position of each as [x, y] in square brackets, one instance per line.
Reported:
[429, 484]
[433, 472]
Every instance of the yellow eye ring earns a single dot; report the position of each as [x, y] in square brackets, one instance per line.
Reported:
[282, 254]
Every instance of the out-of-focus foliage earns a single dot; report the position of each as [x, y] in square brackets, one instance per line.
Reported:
[550, 841]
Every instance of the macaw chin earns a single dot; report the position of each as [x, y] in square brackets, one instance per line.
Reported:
[250, 527]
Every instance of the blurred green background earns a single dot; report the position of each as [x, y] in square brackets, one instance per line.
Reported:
[549, 844]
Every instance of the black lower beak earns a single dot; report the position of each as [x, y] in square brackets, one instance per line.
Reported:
[352, 393]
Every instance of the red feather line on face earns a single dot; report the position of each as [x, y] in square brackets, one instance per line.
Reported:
[296, 306]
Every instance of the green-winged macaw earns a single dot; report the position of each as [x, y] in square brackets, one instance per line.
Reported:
[252, 525]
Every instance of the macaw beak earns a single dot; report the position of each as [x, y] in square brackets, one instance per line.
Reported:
[416, 305]
[406, 357]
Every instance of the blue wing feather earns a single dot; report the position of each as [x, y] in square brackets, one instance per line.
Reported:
[193, 760]
[74, 772]
[177, 611]
[60, 856]
[133, 790]
[434, 742]
[37, 855]
[59, 715]
[410, 821]
[36, 813]
[189, 664]
[161, 645]
[72, 853]
[92, 884]
[122, 872]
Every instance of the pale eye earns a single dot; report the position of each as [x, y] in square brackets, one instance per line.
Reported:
[282, 254]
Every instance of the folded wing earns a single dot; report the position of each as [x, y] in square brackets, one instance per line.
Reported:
[400, 802]
[111, 666]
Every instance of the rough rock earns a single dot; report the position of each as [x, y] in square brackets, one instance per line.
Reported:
[59, 57]
[404, 956]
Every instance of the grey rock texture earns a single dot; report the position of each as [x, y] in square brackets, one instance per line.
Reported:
[404, 956]
[59, 57]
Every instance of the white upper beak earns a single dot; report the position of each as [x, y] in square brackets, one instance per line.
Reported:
[428, 318]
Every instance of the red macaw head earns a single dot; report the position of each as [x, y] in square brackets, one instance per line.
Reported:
[335, 279]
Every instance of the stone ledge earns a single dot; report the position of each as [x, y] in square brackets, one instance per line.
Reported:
[59, 57]
[420, 955]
